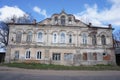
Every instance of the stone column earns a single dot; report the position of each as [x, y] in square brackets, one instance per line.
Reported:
[47, 56]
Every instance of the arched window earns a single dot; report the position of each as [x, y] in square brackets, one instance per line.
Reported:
[62, 37]
[29, 36]
[40, 37]
[94, 42]
[62, 20]
[103, 40]
[84, 38]
[56, 20]
[55, 38]
[18, 36]
[70, 20]
[70, 38]
[27, 54]
[39, 53]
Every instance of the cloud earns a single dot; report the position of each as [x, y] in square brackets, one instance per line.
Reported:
[106, 16]
[7, 12]
[39, 11]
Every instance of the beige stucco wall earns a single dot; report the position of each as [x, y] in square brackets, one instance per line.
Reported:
[47, 47]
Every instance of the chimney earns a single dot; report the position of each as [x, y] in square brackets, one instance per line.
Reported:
[110, 26]
[90, 24]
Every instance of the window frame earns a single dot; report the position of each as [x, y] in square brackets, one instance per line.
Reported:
[18, 37]
[63, 37]
[85, 56]
[63, 20]
[103, 40]
[69, 20]
[18, 55]
[68, 56]
[40, 55]
[84, 38]
[38, 39]
[26, 53]
[94, 39]
[56, 56]
[70, 38]
[56, 20]
[29, 37]
[53, 36]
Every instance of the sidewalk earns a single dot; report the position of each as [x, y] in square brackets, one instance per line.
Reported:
[58, 72]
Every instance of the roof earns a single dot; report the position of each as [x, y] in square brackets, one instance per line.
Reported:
[76, 20]
[21, 23]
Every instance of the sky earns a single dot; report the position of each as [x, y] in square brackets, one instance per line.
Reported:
[98, 12]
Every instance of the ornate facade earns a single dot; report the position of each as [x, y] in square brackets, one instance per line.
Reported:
[61, 39]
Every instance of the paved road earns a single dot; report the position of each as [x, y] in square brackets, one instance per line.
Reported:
[25, 74]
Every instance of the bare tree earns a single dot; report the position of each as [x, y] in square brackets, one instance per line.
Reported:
[4, 29]
[116, 35]
[26, 18]
[4, 32]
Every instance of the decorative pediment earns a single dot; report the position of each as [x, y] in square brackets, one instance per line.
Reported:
[63, 19]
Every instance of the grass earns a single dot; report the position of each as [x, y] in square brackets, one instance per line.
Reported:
[60, 67]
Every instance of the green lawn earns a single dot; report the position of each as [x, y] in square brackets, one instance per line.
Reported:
[60, 67]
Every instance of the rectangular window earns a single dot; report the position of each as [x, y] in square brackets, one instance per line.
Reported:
[16, 55]
[84, 56]
[18, 37]
[29, 37]
[99, 56]
[94, 56]
[56, 56]
[39, 55]
[68, 56]
[84, 39]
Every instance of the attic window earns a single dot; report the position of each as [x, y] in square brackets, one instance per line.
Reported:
[62, 20]
[70, 20]
[56, 20]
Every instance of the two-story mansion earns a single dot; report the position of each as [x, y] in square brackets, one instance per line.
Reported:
[61, 39]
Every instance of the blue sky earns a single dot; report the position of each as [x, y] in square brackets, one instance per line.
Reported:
[99, 12]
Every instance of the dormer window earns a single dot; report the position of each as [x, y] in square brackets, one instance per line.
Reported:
[62, 20]
[70, 20]
[56, 20]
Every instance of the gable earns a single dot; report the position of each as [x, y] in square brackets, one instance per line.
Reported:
[63, 19]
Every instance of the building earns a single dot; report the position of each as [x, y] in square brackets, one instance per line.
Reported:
[117, 51]
[61, 39]
[2, 57]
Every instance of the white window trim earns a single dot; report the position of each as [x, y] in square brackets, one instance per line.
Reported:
[42, 36]
[25, 55]
[84, 38]
[53, 41]
[58, 55]
[41, 55]
[31, 36]
[69, 39]
[61, 39]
